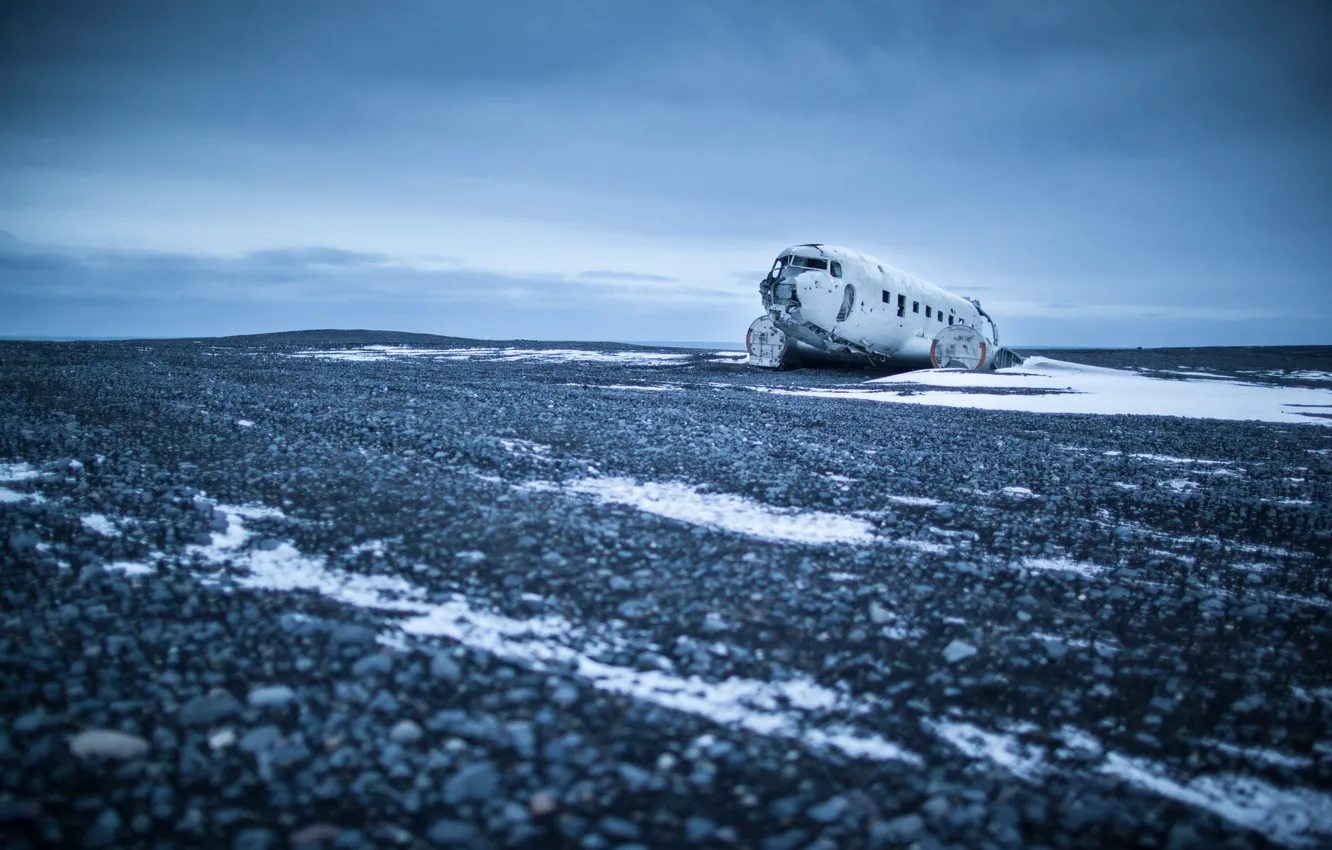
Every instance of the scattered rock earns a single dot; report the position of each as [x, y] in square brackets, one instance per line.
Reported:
[315, 833]
[271, 696]
[406, 732]
[479, 781]
[107, 743]
[453, 833]
[880, 615]
[958, 651]
[444, 667]
[255, 838]
[208, 710]
[899, 830]
[375, 664]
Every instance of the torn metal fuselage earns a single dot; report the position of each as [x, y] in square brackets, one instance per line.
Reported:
[827, 303]
[780, 292]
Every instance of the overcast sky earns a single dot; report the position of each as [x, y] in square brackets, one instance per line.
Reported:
[1100, 173]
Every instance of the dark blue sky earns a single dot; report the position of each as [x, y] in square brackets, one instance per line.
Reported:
[1102, 173]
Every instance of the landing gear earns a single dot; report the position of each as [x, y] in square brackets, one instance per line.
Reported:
[959, 347]
[963, 347]
[766, 343]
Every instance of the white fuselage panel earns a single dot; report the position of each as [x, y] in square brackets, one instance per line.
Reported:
[841, 301]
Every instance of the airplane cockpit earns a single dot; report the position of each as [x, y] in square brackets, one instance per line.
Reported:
[798, 263]
[779, 288]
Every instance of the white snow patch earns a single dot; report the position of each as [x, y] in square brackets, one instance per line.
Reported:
[1078, 743]
[1181, 485]
[770, 708]
[900, 633]
[928, 546]
[1061, 565]
[915, 501]
[1192, 541]
[370, 353]
[17, 472]
[1298, 374]
[12, 472]
[1074, 388]
[1294, 818]
[1262, 755]
[724, 511]
[525, 447]
[1175, 460]
[1254, 567]
[374, 548]
[1018, 492]
[101, 525]
[842, 576]
[1025, 761]
[244, 423]
[654, 388]
[1080, 643]
[746, 703]
[134, 568]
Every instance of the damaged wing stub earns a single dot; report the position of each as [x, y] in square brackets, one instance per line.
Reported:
[824, 303]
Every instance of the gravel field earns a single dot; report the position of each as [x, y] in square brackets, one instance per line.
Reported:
[317, 590]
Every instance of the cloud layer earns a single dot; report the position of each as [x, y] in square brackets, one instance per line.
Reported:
[1167, 161]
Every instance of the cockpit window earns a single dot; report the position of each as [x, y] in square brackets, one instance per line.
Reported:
[836, 268]
[810, 262]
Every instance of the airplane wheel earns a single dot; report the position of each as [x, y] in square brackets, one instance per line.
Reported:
[959, 347]
[766, 344]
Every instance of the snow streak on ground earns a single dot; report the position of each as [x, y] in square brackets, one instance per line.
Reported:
[1043, 385]
[1297, 374]
[1167, 458]
[1294, 818]
[101, 525]
[1061, 565]
[17, 472]
[647, 388]
[795, 707]
[725, 511]
[368, 353]
[775, 708]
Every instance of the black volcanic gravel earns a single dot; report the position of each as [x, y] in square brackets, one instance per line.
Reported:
[181, 707]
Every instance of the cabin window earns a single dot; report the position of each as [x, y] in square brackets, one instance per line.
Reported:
[927, 311]
[915, 306]
[887, 298]
[950, 320]
[939, 315]
[848, 301]
[836, 268]
[901, 305]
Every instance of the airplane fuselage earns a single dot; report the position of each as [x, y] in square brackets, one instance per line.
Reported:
[839, 302]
